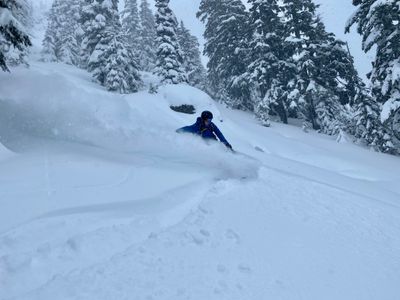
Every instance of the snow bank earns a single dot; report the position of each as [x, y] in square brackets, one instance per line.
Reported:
[60, 102]
[5, 153]
[185, 94]
[47, 103]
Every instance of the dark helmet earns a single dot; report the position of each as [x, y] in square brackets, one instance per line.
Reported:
[206, 115]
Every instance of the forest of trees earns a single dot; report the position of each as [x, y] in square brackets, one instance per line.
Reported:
[116, 45]
[274, 58]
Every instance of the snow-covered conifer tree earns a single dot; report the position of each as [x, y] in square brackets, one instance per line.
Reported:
[23, 12]
[147, 39]
[111, 62]
[378, 22]
[14, 39]
[72, 35]
[62, 41]
[191, 57]
[268, 59]
[366, 124]
[321, 83]
[95, 16]
[52, 35]
[340, 79]
[131, 24]
[303, 32]
[226, 36]
[169, 55]
[120, 72]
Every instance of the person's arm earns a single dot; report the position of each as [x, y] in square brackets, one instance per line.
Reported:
[195, 128]
[221, 136]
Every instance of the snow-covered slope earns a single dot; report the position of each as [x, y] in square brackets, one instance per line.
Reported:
[103, 200]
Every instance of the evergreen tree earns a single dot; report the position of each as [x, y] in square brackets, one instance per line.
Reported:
[61, 41]
[332, 117]
[302, 34]
[324, 68]
[23, 12]
[71, 34]
[226, 48]
[52, 35]
[169, 55]
[378, 22]
[111, 62]
[268, 59]
[366, 124]
[96, 15]
[13, 35]
[148, 35]
[359, 124]
[97, 60]
[340, 79]
[120, 72]
[191, 57]
[131, 24]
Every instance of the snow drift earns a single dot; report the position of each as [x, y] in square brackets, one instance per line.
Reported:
[4, 153]
[60, 102]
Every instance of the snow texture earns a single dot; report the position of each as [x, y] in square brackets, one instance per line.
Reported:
[4, 153]
[106, 201]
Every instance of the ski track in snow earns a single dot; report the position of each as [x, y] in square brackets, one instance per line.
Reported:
[359, 185]
[156, 270]
[146, 237]
[126, 222]
[138, 225]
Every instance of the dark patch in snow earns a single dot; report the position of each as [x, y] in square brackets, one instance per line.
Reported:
[184, 108]
[259, 149]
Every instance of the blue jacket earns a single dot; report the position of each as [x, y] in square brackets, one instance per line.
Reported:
[210, 132]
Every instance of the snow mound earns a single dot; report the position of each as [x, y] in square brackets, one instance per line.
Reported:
[185, 94]
[5, 153]
[61, 103]
[52, 105]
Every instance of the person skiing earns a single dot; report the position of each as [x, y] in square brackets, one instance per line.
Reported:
[206, 129]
